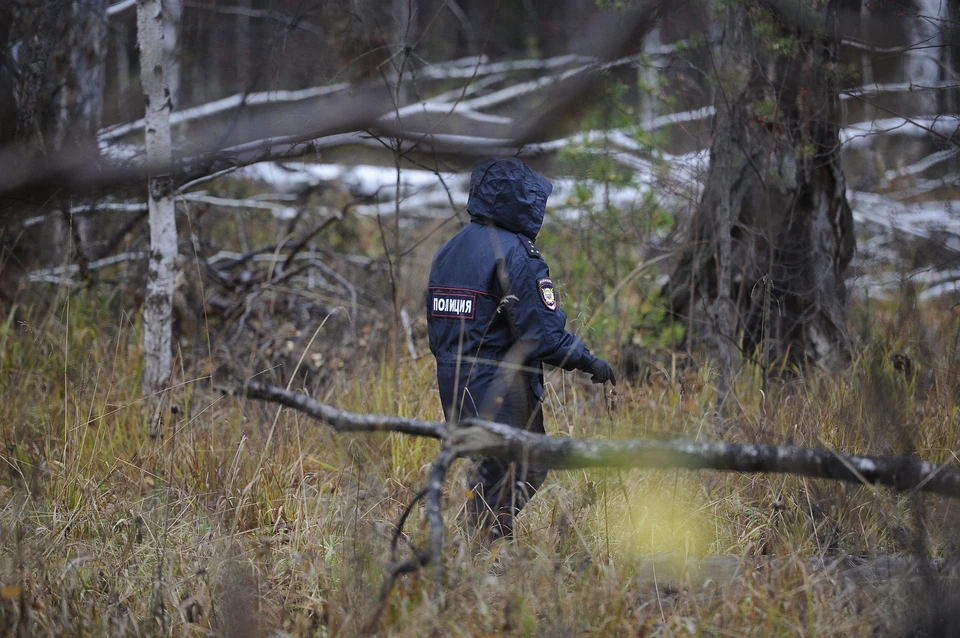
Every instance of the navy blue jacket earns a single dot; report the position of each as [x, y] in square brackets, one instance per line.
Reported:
[492, 311]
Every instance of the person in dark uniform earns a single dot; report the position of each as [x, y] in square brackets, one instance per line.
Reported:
[494, 320]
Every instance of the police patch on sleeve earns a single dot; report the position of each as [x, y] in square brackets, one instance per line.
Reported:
[454, 304]
[547, 294]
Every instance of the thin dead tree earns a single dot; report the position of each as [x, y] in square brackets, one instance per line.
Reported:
[158, 310]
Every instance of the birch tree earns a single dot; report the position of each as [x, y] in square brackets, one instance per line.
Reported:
[172, 14]
[158, 310]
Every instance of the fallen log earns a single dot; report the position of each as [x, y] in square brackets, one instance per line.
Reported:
[475, 437]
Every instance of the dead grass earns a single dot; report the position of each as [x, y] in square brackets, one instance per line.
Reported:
[246, 521]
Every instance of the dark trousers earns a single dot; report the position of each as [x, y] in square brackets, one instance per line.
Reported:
[499, 490]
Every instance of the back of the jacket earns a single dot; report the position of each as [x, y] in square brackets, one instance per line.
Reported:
[464, 295]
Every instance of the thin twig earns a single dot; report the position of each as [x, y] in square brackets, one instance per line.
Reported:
[398, 532]
[297, 247]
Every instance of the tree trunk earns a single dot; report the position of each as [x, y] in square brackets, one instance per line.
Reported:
[52, 103]
[244, 75]
[948, 34]
[121, 44]
[925, 33]
[8, 103]
[866, 64]
[405, 37]
[172, 12]
[158, 310]
[47, 26]
[80, 98]
[773, 233]
[648, 78]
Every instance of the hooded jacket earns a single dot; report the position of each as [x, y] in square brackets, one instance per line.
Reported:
[492, 310]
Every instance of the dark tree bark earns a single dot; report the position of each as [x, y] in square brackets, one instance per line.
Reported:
[56, 81]
[81, 69]
[773, 233]
[39, 44]
[8, 103]
[45, 24]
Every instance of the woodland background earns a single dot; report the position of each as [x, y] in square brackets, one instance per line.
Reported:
[752, 217]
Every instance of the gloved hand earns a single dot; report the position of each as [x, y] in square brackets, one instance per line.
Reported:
[600, 371]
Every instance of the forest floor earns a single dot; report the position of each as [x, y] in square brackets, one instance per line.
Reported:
[248, 520]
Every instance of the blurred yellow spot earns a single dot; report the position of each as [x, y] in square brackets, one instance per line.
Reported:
[657, 520]
[10, 592]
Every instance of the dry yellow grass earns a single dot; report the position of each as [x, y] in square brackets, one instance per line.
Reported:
[248, 521]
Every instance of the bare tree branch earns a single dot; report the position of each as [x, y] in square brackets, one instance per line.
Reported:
[119, 7]
[340, 420]
[58, 274]
[483, 438]
[225, 105]
[475, 437]
[293, 130]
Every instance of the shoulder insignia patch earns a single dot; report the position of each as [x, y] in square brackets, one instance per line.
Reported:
[531, 249]
[547, 294]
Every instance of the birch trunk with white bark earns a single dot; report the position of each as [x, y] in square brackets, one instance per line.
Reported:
[172, 12]
[158, 310]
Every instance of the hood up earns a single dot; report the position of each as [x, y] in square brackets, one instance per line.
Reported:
[510, 194]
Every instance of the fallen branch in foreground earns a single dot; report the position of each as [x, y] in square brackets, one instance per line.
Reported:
[474, 437]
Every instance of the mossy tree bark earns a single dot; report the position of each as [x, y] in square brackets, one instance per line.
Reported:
[763, 271]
